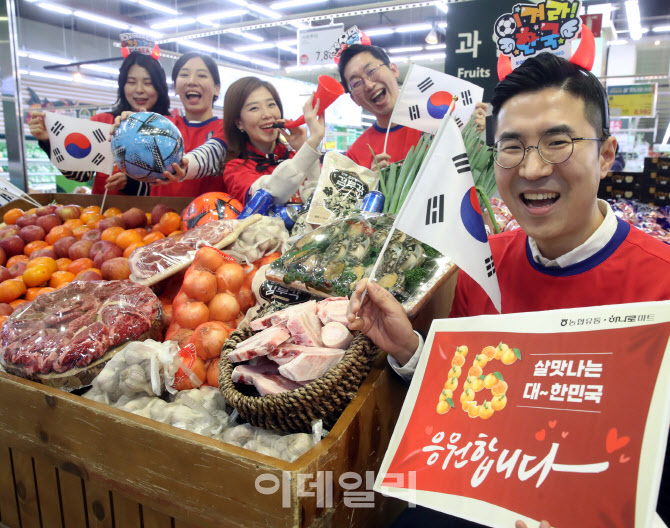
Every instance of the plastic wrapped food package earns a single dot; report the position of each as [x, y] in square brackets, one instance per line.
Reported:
[156, 261]
[74, 326]
[265, 236]
[333, 258]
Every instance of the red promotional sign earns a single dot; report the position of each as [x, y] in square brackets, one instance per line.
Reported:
[558, 415]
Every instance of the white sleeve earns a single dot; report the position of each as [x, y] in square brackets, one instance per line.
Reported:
[298, 173]
[205, 160]
[407, 370]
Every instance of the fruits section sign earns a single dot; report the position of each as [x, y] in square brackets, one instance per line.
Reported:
[560, 415]
[632, 100]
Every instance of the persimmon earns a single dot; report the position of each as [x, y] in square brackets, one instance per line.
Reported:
[11, 289]
[11, 216]
[57, 233]
[169, 223]
[79, 265]
[111, 233]
[61, 278]
[128, 238]
[34, 246]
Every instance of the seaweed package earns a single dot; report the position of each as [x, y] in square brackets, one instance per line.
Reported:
[340, 190]
[331, 259]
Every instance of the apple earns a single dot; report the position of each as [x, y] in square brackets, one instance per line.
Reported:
[114, 221]
[4, 275]
[80, 249]
[134, 217]
[16, 270]
[68, 212]
[62, 246]
[6, 309]
[98, 246]
[106, 254]
[92, 234]
[88, 276]
[8, 231]
[46, 210]
[27, 219]
[13, 245]
[158, 211]
[48, 222]
[115, 269]
[31, 233]
[44, 252]
[3, 257]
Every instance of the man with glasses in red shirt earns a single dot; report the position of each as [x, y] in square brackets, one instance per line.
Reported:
[371, 80]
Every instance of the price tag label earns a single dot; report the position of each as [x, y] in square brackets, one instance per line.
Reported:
[315, 44]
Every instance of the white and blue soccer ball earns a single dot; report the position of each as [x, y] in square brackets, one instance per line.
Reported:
[505, 26]
[145, 145]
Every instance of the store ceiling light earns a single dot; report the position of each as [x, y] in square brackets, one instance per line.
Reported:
[442, 25]
[413, 27]
[189, 43]
[617, 42]
[657, 43]
[158, 7]
[173, 22]
[55, 8]
[68, 78]
[145, 31]
[44, 57]
[299, 25]
[206, 22]
[405, 50]
[255, 47]
[436, 47]
[442, 6]
[100, 68]
[230, 13]
[105, 21]
[378, 31]
[431, 38]
[633, 15]
[428, 56]
[264, 11]
[661, 29]
[248, 36]
[287, 4]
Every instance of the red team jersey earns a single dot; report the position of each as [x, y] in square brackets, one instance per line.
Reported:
[400, 140]
[632, 267]
[194, 135]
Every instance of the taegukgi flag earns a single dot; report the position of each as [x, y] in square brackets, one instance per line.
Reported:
[426, 95]
[442, 210]
[79, 144]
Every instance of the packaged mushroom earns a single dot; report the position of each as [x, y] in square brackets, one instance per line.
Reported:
[330, 260]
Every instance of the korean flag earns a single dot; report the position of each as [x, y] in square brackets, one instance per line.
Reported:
[79, 144]
[426, 96]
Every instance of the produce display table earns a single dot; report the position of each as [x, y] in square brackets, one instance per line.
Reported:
[71, 462]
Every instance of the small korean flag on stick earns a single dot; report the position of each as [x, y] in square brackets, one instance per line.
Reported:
[79, 144]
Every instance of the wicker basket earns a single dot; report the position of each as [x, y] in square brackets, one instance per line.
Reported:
[294, 411]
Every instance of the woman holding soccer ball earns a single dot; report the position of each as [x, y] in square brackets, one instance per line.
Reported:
[142, 84]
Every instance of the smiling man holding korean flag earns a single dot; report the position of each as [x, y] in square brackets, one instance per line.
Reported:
[552, 149]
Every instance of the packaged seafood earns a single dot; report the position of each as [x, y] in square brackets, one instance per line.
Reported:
[331, 259]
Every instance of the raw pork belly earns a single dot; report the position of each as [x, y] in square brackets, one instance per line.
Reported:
[282, 315]
[305, 329]
[333, 309]
[336, 335]
[311, 364]
[274, 384]
[247, 373]
[260, 344]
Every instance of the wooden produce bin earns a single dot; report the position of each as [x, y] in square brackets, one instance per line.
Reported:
[71, 462]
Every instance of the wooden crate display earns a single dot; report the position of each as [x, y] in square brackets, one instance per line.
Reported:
[69, 462]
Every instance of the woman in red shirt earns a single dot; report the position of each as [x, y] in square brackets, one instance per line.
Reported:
[256, 159]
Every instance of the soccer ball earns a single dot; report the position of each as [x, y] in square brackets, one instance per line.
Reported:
[505, 26]
[145, 145]
[208, 207]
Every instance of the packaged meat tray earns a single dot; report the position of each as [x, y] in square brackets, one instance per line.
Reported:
[163, 258]
[59, 337]
[331, 259]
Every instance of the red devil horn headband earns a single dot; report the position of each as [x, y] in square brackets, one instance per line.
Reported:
[584, 56]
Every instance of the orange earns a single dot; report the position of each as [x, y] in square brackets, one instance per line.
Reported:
[156, 228]
[79, 265]
[63, 263]
[111, 233]
[175, 233]
[36, 275]
[128, 238]
[3, 318]
[73, 222]
[79, 231]
[60, 278]
[15, 303]
[443, 407]
[148, 218]
[92, 209]
[499, 388]
[32, 293]
[141, 231]
[57, 233]
[458, 361]
[152, 237]
[16, 258]
[11, 216]
[475, 371]
[112, 211]
[169, 223]
[94, 221]
[32, 211]
[85, 217]
[489, 352]
[46, 289]
[508, 357]
[11, 289]
[50, 263]
[34, 246]
[127, 252]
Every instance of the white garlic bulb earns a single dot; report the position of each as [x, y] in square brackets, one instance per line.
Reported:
[133, 380]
